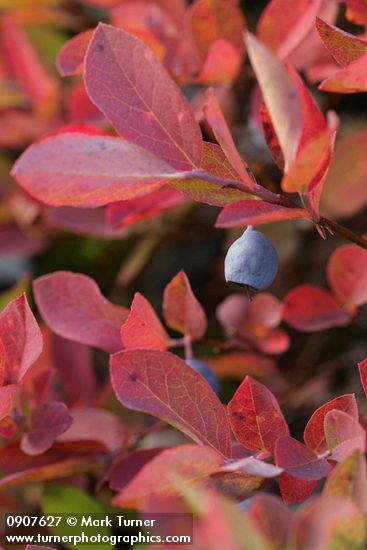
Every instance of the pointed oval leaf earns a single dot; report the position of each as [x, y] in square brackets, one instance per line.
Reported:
[347, 275]
[137, 95]
[182, 311]
[159, 383]
[71, 56]
[253, 212]
[255, 416]
[73, 307]
[314, 434]
[143, 328]
[77, 169]
[349, 80]
[343, 46]
[168, 473]
[309, 308]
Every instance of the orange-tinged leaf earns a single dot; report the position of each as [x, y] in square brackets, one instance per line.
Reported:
[253, 212]
[255, 416]
[222, 64]
[309, 308]
[137, 95]
[343, 434]
[357, 11]
[78, 169]
[143, 329]
[182, 311]
[285, 23]
[159, 383]
[343, 46]
[347, 275]
[73, 307]
[21, 339]
[239, 364]
[314, 434]
[71, 57]
[168, 473]
[349, 480]
[349, 80]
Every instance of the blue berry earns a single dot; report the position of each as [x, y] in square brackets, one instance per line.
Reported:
[251, 261]
[206, 372]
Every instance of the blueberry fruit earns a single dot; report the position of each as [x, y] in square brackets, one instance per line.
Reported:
[206, 372]
[251, 261]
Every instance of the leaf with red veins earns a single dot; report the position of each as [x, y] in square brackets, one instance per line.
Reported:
[159, 383]
[70, 60]
[309, 308]
[347, 275]
[299, 461]
[46, 424]
[344, 434]
[21, 339]
[256, 418]
[80, 169]
[314, 434]
[140, 99]
[168, 473]
[182, 311]
[343, 46]
[253, 212]
[143, 328]
[73, 307]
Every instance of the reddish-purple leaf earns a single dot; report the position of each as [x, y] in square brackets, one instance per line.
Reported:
[46, 424]
[168, 473]
[362, 367]
[294, 490]
[126, 469]
[21, 339]
[310, 308]
[182, 311]
[79, 169]
[161, 384]
[71, 56]
[343, 434]
[256, 418]
[73, 307]
[343, 46]
[253, 212]
[285, 23]
[299, 461]
[347, 275]
[137, 95]
[90, 424]
[143, 328]
[314, 434]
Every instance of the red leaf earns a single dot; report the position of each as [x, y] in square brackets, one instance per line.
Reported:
[74, 308]
[142, 328]
[222, 64]
[21, 338]
[46, 424]
[161, 384]
[76, 169]
[285, 23]
[314, 434]
[210, 20]
[309, 308]
[274, 520]
[168, 473]
[343, 46]
[182, 311]
[90, 424]
[352, 79]
[149, 109]
[71, 56]
[126, 469]
[8, 396]
[295, 490]
[362, 367]
[253, 212]
[255, 416]
[299, 461]
[347, 275]
[125, 213]
[343, 434]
